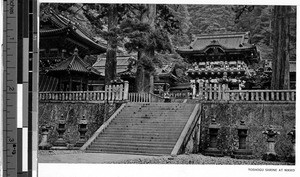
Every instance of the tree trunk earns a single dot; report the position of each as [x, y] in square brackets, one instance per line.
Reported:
[281, 41]
[111, 60]
[143, 81]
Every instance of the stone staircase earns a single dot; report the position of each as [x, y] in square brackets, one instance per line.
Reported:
[144, 128]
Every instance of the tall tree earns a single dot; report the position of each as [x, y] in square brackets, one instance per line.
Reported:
[280, 63]
[148, 32]
[111, 52]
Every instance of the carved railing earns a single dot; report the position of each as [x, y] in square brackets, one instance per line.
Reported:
[247, 95]
[111, 93]
[221, 92]
[260, 95]
[178, 94]
[144, 97]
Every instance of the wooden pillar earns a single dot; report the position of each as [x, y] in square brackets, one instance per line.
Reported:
[70, 84]
[87, 84]
[80, 85]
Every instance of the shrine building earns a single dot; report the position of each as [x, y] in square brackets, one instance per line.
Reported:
[164, 77]
[67, 53]
[220, 58]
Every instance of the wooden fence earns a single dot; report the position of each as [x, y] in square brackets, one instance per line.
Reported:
[111, 93]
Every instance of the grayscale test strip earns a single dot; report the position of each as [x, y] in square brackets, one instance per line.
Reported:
[20, 88]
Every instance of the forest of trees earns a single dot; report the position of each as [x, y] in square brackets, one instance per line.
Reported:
[154, 31]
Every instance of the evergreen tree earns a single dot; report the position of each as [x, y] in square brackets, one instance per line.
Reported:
[280, 64]
[147, 31]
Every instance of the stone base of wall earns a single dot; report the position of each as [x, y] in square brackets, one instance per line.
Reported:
[96, 114]
[257, 117]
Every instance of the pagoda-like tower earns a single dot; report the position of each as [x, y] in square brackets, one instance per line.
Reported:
[220, 58]
[74, 74]
[59, 36]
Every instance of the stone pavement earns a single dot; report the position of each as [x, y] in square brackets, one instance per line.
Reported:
[87, 158]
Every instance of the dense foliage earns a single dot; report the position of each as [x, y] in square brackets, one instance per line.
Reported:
[175, 26]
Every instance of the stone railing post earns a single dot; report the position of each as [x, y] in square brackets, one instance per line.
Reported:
[193, 85]
[126, 90]
[271, 154]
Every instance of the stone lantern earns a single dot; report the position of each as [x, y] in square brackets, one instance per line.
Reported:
[167, 97]
[271, 154]
[61, 128]
[213, 130]
[44, 145]
[292, 134]
[82, 129]
[242, 152]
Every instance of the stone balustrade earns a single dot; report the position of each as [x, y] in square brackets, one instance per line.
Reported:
[144, 97]
[221, 92]
[260, 95]
[111, 93]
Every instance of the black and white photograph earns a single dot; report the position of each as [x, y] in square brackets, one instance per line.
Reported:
[166, 86]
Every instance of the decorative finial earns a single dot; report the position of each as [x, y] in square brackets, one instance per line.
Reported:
[75, 51]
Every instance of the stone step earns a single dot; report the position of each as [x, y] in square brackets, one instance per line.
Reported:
[134, 144]
[155, 116]
[132, 141]
[156, 150]
[144, 128]
[140, 139]
[148, 123]
[158, 111]
[141, 131]
[145, 138]
[139, 134]
[126, 152]
[183, 110]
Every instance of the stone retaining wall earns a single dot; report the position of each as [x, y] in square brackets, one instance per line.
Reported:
[257, 116]
[96, 114]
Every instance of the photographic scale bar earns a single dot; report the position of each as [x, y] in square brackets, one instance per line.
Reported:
[20, 88]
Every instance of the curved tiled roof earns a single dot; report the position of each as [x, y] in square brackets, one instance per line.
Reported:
[122, 64]
[230, 41]
[65, 25]
[74, 63]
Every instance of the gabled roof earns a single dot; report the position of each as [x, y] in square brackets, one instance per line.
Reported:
[63, 26]
[75, 64]
[230, 41]
[122, 64]
[123, 61]
[166, 71]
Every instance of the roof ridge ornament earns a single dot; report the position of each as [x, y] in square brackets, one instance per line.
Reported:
[214, 41]
[75, 51]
